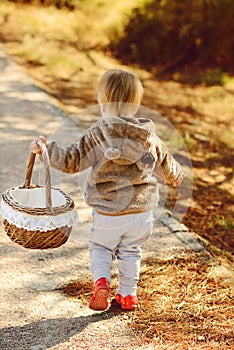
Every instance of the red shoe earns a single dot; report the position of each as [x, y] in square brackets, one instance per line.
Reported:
[127, 303]
[100, 296]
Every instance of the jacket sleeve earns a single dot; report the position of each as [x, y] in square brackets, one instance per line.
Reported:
[167, 164]
[72, 158]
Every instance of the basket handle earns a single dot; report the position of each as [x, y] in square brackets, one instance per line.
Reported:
[46, 164]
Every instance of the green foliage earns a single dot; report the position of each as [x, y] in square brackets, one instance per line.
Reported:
[214, 77]
[227, 223]
[174, 33]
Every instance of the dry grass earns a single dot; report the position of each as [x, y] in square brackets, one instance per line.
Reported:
[185, 303]
[63, 49]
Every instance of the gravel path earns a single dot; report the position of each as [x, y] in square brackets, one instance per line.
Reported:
[33, 314]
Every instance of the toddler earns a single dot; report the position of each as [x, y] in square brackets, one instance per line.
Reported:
[123, 153]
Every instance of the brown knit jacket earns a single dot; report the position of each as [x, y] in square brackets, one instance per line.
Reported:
[122, 156]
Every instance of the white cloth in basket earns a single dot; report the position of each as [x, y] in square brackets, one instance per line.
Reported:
[35, 198]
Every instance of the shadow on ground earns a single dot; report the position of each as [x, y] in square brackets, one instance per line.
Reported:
[46, 333]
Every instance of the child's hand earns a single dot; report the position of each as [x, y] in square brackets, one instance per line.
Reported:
[179, 180]
[35, 147]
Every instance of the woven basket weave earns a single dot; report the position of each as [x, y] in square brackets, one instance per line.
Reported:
[37, 238]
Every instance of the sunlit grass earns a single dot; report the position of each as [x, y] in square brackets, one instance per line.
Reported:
[63, 44]
[186, 298]
[184, 303]
[87, 27]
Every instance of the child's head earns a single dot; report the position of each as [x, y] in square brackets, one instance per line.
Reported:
[120, 92]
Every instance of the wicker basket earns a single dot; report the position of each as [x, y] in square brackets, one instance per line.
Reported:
[38, 217]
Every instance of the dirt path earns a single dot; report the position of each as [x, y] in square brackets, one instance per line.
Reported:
[34, 315]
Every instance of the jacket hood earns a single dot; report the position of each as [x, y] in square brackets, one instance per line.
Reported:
[125, 140]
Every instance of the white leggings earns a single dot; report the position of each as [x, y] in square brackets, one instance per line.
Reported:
[121, 237]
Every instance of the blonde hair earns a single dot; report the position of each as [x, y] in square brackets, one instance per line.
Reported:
[122, 92]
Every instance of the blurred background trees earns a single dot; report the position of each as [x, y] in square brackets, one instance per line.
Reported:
[169, 33]
[174, 33]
